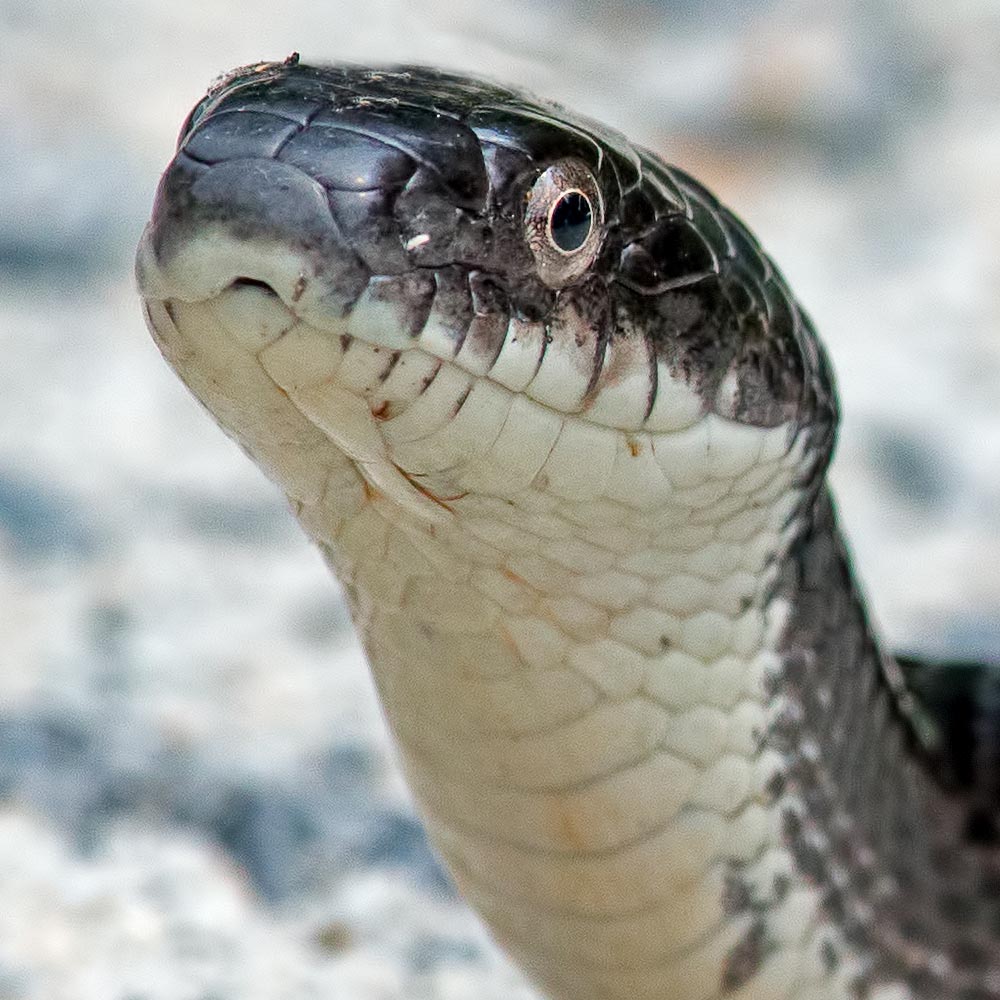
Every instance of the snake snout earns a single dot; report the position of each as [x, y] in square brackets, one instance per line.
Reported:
[253, 221]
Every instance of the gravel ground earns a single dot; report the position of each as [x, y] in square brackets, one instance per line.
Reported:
[197, 796]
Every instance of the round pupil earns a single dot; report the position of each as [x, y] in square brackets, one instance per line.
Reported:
[571, 221]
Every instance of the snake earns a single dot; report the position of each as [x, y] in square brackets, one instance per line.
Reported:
[561, 430]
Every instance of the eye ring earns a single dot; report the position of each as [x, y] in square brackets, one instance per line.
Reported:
[563, 221]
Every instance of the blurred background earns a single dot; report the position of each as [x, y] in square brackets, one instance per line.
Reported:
[197, 797]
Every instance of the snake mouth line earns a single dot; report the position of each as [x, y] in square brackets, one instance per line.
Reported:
[425, 432]
[260, 296]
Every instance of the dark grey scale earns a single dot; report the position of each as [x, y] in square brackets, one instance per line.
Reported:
[505, 167]
[706, 219]
[368, 216]
[489, 298]
[174, 196]
[232, 135]
[754, 400]
[491, 309]
[745, 291]
[362, 176]
[453, 303]
[347, 160]
[225, 175]
[439, 145]
[623, 165]
[295, 107]
[460, 237]
[745, 960]
[663, 183]
[539, 138]
[747, 250]
[412, 296]
[738, 894]
[677, 254]
[530, 140]
[637, 268]
[591, 302]
[296, 97]
[667, 252]
[265, 199]
[694, 190]
[783, 353]
[965, 699]
[637, 211]
[425, 207]
[820, 394]
[531, 300]
[757, 333]
[500, 248]
[686, 327]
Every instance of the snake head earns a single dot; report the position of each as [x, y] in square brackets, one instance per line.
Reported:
[433, 224]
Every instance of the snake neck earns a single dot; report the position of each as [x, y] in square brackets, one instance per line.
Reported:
[579, 693]
[654, 785]
[914, 898]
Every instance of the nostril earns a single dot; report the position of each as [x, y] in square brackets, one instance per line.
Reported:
[238, 283]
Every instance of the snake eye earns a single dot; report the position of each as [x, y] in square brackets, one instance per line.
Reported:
[570, 221]
[562, 222]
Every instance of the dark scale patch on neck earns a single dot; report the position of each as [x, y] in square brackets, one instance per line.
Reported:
[746, 959]
[452, 310]
[868, 826]
[747, 901]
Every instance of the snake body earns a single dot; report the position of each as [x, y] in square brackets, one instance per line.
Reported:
[561, 430]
